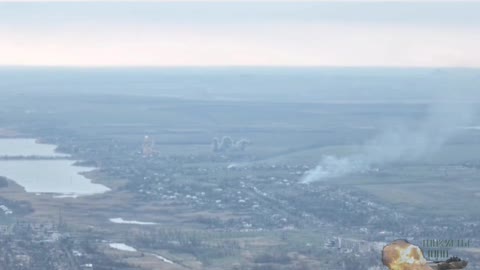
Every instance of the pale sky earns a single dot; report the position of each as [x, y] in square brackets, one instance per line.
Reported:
[247, 33]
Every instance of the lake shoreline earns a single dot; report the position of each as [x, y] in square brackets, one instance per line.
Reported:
[39, 168]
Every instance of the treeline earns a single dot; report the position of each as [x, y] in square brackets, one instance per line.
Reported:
[3, 182]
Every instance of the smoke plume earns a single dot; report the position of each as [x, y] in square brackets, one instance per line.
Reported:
[228, 144]
[401, 143]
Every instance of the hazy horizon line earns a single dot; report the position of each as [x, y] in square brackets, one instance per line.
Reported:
[238, 1]
[231, 66]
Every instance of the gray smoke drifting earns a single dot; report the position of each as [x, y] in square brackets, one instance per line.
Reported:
[403, 143]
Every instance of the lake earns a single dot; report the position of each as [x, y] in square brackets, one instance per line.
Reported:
[27, 147]
[44, 176]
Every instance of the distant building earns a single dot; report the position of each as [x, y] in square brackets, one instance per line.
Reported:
[148, 146]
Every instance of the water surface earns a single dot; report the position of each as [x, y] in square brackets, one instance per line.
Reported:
[27, 147]
[44, 176]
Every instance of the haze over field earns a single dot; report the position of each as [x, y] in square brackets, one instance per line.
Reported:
[400, 142]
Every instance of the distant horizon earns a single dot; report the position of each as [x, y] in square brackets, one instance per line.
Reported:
[238, 33]
[235, 67]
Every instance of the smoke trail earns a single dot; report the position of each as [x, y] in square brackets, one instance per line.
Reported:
[404, 143]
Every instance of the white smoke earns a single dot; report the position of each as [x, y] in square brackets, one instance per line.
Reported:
[228, 144]
[401, 143]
